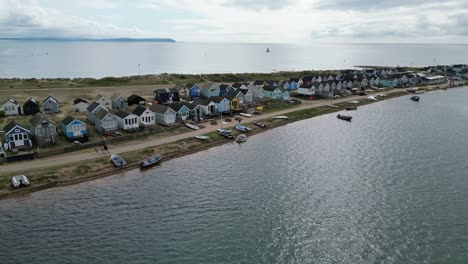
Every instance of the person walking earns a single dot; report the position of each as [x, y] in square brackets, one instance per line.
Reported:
[106, 149]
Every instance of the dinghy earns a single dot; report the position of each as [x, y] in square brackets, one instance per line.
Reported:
[280, 117]
[150, 161]
[344, 117]
[118, 161]
[241, 138]
[202, 137]
[192, 126]
[19, 180]
[243, 128]
[245, 114]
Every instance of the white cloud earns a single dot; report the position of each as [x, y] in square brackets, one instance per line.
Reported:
[99, 4]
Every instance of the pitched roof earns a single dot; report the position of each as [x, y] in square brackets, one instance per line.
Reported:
[306, 86]
[231, 93]
[68, 120]
[224, 86]
[117, 96]
[270, 88]
[31, 100]
[165, 90]
[79, 100]
[92, 107]
[122, 114]
[177, 106]
[294, 80]
[217, 99]
[237, 85]
[159, 108]
[10, 100]
[134, 97]
[11, 125]
[51, 98]
[179, 86]
[244, 91]
[190, 106]
[101, 113]
[207, 85]
[139, 110]
[99, 97]
[38, 118]
[202, 101]
[246, 84]
[258, 82]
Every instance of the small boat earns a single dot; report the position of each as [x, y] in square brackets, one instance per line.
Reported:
[224, 131]
[245, 114]
[241, 138]
[411, 90]
[415, 98]
[344, 117]
[227, 135]
[260, 124]
[350, 108]
[150, 161]
[420, 92]
[192, 126]
[202, 137]
[19, 180]
[371, 98]
[280, 117]
[118, 161]
[243, 128]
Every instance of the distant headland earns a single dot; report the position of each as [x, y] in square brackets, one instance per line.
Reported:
[94, 39]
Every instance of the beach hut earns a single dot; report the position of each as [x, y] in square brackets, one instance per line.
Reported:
[166, 95]
[184, 91]
[31, 107]
[136, 100]
[210, 89]
[103, 101]
[194, 90]
[248, 95]
[43, 130]
[196, 111]
[234, 103]
[147, 117]
[306, 89]
[239, 85]
[51, 105]
[224, 88]
[105, 122]
[223, 105]
[163, 114]
[119, 102]
[272, 92]
[80, 105]
[74, 129]
[16, 137]
[10, 106]
[237, 94]
[92, 109]
[127, 121]
[182, 111]
[209, 106]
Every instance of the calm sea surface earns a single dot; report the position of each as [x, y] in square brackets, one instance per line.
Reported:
[389, 187]
[99, 59]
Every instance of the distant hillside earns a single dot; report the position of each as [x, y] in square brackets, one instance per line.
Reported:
[93, 39]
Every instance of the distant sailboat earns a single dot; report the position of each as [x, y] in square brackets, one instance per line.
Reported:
[268, 50]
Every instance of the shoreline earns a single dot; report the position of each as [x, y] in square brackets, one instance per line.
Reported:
[84, 170]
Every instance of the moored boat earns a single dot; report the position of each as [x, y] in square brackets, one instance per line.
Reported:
[227, 135]
[245, 114]
[280, 117]
[224, 130]
[118, 161]
[202, 137]
[19, 180]
[192, 126]
[260, 124]
[350, 108]
[415, 98]
[243, 128]
[241, 138]
[150, 161]
[344, 117]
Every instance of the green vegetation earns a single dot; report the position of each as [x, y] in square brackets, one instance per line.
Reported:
[158, 79]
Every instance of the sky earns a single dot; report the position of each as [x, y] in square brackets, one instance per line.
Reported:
[241, 21]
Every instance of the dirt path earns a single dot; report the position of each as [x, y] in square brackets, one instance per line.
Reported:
[90, 154]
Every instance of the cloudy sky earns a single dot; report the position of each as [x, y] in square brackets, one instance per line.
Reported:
[259, 21]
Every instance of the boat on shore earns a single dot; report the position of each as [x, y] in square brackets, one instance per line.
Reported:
[243, 128]
[241, 138]
[344, 117]
[150, 161]
[224, 130]
[280, 117]
[192, 126]
[19, 181]
[415, 98]
[118, 161]
[260, 124]
[351, 108]
[227, 135]
[202, 137]
[245, 114]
